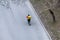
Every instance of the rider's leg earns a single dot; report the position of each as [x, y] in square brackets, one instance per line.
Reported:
[29, 21]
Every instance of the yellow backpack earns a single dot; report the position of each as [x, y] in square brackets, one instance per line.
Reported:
[28, 17]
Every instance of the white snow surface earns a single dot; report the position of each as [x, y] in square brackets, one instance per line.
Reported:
[14, 26]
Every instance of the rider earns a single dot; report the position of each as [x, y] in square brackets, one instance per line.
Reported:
[29, 19]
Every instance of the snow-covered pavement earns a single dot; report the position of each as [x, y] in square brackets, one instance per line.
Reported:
[14, 26]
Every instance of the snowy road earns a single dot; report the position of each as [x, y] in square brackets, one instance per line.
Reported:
[14, 26]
